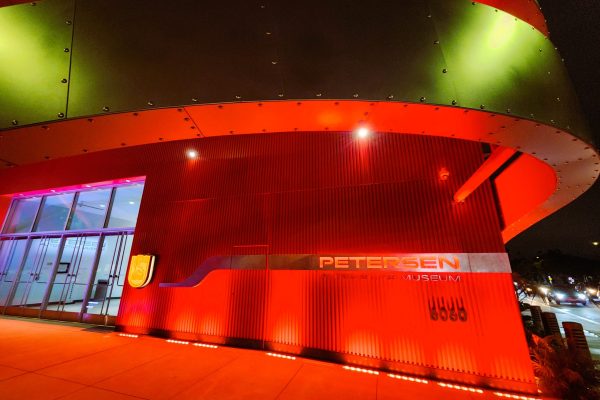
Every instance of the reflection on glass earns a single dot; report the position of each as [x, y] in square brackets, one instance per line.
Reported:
[110, 276]
[126, 205]
[22, 215]
[90, 209]
[55, 212]
[11, 256]
[36, 273]
[73, 274]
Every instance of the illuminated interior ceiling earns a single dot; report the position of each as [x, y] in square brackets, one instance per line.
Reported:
[105, 76]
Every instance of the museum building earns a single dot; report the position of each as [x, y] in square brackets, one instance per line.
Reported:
[330, 179]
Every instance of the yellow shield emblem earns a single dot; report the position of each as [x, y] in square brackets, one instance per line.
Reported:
[140, 270]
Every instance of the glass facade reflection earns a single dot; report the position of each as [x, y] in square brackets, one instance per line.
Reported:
[90, 210]
[54, 213]
[66, 254]
[22, 215]
[125, 207]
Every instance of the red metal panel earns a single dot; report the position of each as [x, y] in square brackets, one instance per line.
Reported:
[308, 194]
[522, 186]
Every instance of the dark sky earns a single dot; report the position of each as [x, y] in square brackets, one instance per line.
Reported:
[575, 29]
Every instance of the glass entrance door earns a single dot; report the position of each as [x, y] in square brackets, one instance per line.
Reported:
[12, 252]
[73, 274]
[35, 275]
[107, 284]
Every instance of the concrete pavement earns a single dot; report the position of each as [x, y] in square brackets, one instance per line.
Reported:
[56, 360]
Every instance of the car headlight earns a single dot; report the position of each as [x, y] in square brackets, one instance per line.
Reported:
[560, 296]
[581, 296]
[592, 291]
[543, 289]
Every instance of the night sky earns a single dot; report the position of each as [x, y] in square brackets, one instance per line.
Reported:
[575, 29]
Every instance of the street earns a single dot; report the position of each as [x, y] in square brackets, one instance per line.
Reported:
[588, 316]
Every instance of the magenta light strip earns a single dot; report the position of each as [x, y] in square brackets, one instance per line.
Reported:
[75, 188]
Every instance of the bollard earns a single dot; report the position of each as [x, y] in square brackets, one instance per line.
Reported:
[551, 324]
[576, 341]
[536, 318]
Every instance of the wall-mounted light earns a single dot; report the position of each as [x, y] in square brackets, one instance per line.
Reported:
[191, 154]
[363, 132]
[444, 174]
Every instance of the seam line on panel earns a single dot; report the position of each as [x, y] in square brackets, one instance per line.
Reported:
[71, 58]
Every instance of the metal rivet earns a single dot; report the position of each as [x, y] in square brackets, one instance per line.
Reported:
[422, 99]
[66, 49]
[160, 139]
[319, 94]
[355, 95]
[64, 80]
[105, 108]
[444, 71]
[274, 62]
[33, 4]
[45, 127]
[391, 96]
[68, 22]
[150, 103]
[192, 127]
[85, 150]
[61, 115]
[135, 114]
[267, 33]
[482, 106]
[90, 120]
[453, 102]
[238, 97]
[15, 122]
[508, 110]
[280, 95]
[194, 100]
[436, 42]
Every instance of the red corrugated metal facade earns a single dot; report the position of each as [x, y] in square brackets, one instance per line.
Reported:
[327, 193]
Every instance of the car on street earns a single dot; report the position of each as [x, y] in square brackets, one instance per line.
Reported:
[567, 294]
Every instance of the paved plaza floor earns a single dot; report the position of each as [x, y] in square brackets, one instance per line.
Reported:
[56, 360]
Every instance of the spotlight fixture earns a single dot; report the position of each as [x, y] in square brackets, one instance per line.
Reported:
[192, 154]
[363, 132]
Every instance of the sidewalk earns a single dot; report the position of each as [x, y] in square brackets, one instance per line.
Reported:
[56, 360]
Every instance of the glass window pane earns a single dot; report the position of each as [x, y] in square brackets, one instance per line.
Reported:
[11, 256]
[73, 273]
[107, 286]
[126, 205]
[55, 212]
[90, 209]
[36, 272]
[22, 215]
